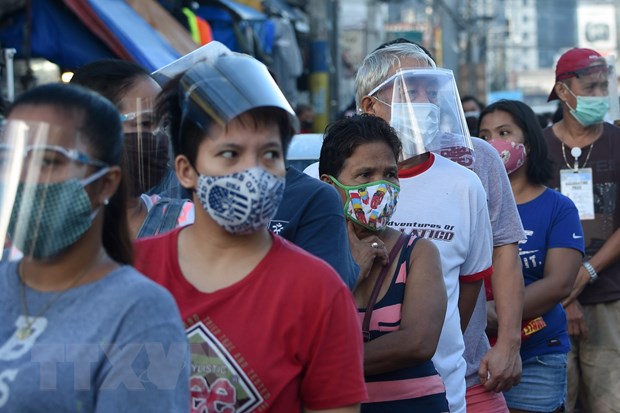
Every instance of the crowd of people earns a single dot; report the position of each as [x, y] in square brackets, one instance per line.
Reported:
[441, 256]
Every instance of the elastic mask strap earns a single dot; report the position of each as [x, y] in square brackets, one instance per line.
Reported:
[571, 92]
[89, 180]
[346, 188]
[349, 187]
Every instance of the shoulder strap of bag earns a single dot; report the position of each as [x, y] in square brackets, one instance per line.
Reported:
[375, 291]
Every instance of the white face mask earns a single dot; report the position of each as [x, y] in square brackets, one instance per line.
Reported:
[417, 125]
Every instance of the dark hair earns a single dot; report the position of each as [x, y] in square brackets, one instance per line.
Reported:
[301, 108]
[467, 98]
[538, 166]
[100, 126]
[343, 136]
[109, 77]
[402, 40]
[186, 135]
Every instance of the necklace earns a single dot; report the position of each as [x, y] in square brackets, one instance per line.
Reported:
[576, 152]
[24, 332]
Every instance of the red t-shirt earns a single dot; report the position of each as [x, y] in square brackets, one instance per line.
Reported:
[284, 335]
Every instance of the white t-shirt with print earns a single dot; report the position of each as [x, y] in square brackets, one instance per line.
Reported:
[446, 203]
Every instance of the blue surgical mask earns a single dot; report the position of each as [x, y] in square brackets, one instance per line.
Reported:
[590, 110]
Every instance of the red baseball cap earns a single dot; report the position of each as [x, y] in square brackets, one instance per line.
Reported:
[574, 61]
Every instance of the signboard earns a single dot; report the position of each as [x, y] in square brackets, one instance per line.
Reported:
[596, 28]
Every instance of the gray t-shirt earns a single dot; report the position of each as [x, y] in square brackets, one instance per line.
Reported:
[113, 345]
[507, 229]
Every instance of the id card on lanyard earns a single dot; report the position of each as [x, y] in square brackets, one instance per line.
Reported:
[577, 185]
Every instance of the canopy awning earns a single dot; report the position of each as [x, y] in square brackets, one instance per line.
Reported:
[56, 34]
[81, 31]
[145, 45]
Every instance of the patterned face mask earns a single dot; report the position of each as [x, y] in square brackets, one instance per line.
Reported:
[370, 205]
[49, 217]
[242, 202]
[513, 154]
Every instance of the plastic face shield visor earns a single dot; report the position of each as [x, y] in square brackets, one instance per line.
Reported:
[37, 156]
[426, 113]
[146, 147]
[601, 67]
[220, 90]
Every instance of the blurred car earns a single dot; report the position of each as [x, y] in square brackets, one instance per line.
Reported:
[304, 149]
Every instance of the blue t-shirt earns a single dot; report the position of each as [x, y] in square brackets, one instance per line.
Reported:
[111, 346]
[311, 216]
[550, 221]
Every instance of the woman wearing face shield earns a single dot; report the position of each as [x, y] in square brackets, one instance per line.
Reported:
[272, 328]
[76, 317]
[145, 149]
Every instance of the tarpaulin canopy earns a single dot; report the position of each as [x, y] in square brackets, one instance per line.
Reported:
[162, 21]
[81, 31]
[243, 11]
[145, 45]
[56, 34]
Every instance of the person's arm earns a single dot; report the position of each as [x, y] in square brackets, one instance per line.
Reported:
[500, 368]
[478, 263]
[576, 321]
[561, 266]
[603, 259]
[354, 408]
[468, 296]
[422, 314]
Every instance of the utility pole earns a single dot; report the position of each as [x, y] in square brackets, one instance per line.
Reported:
[319, 64]
[335, 68]
[449, 33]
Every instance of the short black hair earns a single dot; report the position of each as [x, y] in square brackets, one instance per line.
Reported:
[343, 136]
[109, 77]
[539, 167]
[467, 98]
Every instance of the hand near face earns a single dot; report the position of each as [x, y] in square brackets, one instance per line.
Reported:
[364, 254]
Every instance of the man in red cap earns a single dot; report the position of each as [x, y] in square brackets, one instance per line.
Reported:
[585, 151]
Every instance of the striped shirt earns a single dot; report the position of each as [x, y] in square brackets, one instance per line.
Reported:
[413, 388]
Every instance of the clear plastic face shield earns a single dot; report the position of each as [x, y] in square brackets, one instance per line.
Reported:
[614, 103]
[426, 113]
[208, 52]
[591, 88]
[230, 85]
[593, 80]
[146, 147]
[44, 170]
